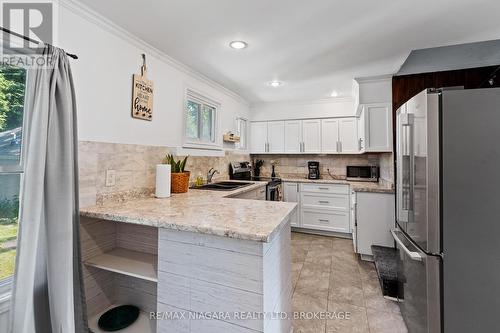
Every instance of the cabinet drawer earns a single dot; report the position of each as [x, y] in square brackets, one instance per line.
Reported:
[326, 220]
[332, 201]
[325, 188]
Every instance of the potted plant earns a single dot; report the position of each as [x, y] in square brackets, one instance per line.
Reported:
[180, 177]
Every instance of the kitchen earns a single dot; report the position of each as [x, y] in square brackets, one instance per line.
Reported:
[276, 167]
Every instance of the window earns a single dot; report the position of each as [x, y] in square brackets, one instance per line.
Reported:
[12, 92]
[242, 130]
[201, 121]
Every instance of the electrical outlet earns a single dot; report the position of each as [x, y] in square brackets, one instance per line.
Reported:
[110, 177]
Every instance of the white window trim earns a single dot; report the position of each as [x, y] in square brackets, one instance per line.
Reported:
[189, 143]
[246, 136]
[7, 283]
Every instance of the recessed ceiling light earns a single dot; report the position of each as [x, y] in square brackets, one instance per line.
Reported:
[238, 44]
[334, 94]
[275, 83]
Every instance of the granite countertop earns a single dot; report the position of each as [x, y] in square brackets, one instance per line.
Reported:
[202, 211]
[356, 186]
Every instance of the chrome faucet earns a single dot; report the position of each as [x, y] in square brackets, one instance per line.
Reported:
[211, 174]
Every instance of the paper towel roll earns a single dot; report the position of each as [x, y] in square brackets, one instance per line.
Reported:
[163, 180]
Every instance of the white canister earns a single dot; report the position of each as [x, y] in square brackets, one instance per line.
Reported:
[163, 180]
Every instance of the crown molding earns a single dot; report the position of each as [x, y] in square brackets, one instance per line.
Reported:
[94, 17]
[330, 100]
[377, 78]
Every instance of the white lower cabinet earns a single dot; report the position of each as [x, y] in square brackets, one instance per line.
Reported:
[375, 218]
[322, 207]
[323, 219]
[291, 194]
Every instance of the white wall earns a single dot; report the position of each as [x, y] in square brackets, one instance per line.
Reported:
[335, 107]
[108, 56]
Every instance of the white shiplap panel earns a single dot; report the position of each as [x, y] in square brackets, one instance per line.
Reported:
[210, 241]
[137, 237]
[233, 269]
[195, 325]
[202, 297]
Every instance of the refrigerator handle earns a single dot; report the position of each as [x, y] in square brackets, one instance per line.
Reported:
[408, 121]
[413, 255]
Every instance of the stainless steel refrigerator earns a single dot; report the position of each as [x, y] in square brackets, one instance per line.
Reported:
[448, 210]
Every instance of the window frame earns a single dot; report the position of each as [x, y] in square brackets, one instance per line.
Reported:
[239, 121]
[18, 169]
[203, 100]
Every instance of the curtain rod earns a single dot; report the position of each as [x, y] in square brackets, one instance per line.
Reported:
[74, 56]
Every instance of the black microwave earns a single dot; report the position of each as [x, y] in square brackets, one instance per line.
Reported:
[363, 173]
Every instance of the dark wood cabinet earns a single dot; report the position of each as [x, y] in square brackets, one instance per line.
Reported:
[405, 87]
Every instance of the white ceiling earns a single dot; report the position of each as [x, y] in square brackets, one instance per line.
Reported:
[314, 46]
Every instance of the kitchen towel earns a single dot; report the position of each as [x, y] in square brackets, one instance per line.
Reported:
[163, 180]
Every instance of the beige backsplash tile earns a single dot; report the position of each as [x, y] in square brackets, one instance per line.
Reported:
[296, 166]
[135, 167]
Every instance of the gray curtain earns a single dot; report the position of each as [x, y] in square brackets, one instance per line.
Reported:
[48, 294]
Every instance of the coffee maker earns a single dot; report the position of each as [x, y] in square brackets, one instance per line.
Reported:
[313, 167]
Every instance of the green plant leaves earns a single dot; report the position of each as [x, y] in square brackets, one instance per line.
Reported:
[176, 166]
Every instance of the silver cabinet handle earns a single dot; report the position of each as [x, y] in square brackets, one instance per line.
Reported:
[413, 255]
[324, 202]
[323, 188]
[324, 220]
[360, 144]
[340, 146]
[297, 187]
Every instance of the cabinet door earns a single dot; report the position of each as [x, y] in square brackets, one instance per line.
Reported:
[311, 136]
[378, 125]
[329, 135]
[348, 136]
[293, 136]
[374, 220]
[327, 220]
[361, 130]
[260, 193]
[352, 221]
[276, 136]
[291, 194]
[258, 137]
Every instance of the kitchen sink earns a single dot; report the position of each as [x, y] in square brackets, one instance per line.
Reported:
[222, 186]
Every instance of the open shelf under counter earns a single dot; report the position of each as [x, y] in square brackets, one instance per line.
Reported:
[142, 325]
[128, 262]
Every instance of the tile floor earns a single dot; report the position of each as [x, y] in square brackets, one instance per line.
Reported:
[328, 277]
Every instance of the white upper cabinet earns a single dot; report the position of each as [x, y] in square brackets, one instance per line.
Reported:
[378, 127]
[348, 137]
[330, 135]
[374, 95]
[258, 137]
[361, 130]
[275, 136]
[311, 136]
[293, 136]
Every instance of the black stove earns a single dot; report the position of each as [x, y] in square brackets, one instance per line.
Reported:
[243, 171]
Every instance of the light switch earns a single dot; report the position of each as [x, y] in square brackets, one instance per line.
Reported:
[110, 177]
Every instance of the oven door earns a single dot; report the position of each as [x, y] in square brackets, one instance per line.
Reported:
[273, 192]
[418, 276]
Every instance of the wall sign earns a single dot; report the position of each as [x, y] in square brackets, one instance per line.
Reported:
[142, 94]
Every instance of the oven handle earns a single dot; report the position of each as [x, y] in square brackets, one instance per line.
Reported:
[413, 255]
